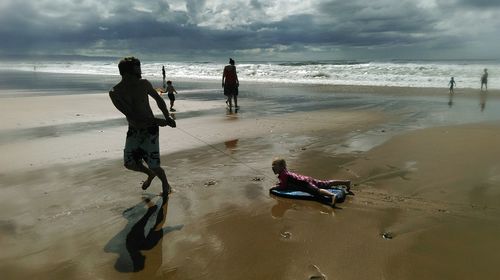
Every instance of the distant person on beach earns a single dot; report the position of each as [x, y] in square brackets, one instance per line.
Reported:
[170, 93]
[293, 181]
[164, 76]
[452, 84]
[131, 97]
[484, 80]
[230, 84]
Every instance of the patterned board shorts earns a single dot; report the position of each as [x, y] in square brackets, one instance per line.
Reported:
[142, 144]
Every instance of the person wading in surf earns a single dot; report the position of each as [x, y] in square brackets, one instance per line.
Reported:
[230, 84]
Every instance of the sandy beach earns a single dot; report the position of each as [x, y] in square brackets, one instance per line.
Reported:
[424, 164]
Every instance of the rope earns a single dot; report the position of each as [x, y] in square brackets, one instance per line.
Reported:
[224, 153]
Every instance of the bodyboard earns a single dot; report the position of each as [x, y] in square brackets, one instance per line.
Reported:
[341, 194]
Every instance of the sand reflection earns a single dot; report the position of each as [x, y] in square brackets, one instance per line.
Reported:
[284, 204]
[482, 100]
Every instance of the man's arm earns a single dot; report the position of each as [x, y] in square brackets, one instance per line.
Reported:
[124, 108]
[161, 105]
[159, 101]
[115, 98]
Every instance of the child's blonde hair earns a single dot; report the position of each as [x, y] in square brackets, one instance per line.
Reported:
[279, 162]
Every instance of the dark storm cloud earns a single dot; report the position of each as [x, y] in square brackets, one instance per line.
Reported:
[32, 30]
[385, 20]
[349, 23]
[201, 27]
[479, 3]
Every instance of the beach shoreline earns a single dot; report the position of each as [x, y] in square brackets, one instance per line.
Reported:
[15, 86]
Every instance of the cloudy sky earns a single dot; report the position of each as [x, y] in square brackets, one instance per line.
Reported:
[253, 29]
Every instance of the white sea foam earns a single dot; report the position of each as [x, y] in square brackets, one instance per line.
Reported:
[402, 73]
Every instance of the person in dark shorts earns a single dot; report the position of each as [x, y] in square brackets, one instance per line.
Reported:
[163, 75]
[484, 80]
[170, 93]
[293, 181]
[131, 97]
[230, 84]
[452, 84]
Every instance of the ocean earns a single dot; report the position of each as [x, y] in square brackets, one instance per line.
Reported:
[405, 73]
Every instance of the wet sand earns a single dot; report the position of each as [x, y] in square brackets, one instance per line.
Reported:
[428, 176]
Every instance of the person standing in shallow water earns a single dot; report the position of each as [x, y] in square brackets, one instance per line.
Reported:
[164, 76]
[170, 93]
[230, 84]
[484, 80]
[452, 84]
[131, 97]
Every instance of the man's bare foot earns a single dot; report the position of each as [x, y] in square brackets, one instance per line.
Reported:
[169, 189]
[165, 196]
[167, 193]
[147, 183]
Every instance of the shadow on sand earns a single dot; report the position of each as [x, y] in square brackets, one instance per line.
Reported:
[137, 237]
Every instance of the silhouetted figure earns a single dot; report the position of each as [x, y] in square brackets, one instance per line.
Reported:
[230, 84]
[131, 97]
[130, 243]
[484, 80]
[170, 93]
[138, 241]
[452, 84]
[164, 76]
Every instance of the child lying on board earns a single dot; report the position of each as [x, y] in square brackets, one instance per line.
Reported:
[296, 182]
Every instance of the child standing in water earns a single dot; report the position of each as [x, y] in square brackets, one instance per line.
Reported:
[484, 80]
[293, 181]
[452, 84]
[170, 93]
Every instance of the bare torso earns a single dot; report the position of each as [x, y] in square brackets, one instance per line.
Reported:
[131, 98]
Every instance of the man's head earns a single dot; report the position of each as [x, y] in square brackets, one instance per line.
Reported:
[130, 65]
[231, 61]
